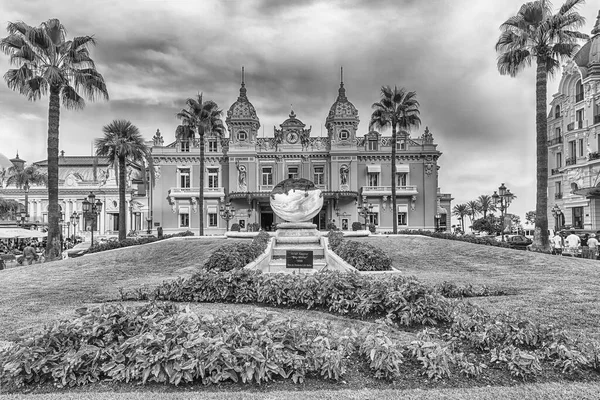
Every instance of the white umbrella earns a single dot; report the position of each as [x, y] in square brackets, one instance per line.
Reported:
[32, 234]
[19, 233]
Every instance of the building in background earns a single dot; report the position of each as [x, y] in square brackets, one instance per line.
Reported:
[352, 169]
[574, 142]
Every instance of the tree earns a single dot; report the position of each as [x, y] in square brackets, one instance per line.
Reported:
[400, 110]
[49, 64]
[24, 178]
[205, 118]
[461, 211]
[486, 204]
[8, 208]
[122, 144]
[473, 209]
[486, 224]
[530, 217]
[534, 33]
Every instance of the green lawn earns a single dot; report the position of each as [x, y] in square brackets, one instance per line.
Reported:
[549, 289]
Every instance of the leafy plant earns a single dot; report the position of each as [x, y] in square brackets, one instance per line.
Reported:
[356, 226]
[235, 227]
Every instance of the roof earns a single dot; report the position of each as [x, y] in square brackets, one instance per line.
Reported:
[76, 161]
[242, 109]
[342, 107]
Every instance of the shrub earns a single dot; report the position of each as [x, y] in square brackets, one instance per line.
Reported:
[363, 256]
[462, 238]
[335, 239]
[235, 227]
[331, 226]
[237, 255]
[372, 228]
[356, 226]
[254, 227]
[131, 241]
[451, 290]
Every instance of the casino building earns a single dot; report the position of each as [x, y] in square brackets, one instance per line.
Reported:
[352, 168]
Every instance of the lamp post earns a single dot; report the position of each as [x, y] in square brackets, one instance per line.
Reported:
[437, 222]
[61, 223]
[149, 221]
[227, 212]
[249, 212]
[24, 218]
[74, 221]
[557, 214]
[365, 210]
[92, 208]
[502, 200]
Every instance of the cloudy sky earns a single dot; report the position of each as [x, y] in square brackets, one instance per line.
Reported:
[155, 54]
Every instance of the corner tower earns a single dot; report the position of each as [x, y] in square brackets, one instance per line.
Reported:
[342, 120]
[242, 121]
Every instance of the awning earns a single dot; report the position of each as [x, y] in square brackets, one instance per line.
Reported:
[441, 210]
[374, 168]
[212, 209]
[402, 168]
[402, 208]
[19, 233]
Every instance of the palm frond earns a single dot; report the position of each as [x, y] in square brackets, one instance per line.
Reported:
[71, 99]
[91, 83]
[16, 79]
[18, 27]
[512, 62]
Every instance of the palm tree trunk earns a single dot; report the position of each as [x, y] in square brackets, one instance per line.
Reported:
[122, 208]
[26, 199]
[201, 194]
[53, 245]
[394, 207]
[540, 238]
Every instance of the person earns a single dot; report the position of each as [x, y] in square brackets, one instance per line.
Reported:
[29, 254]
[557, 244]
[593, 246]
[572, 244]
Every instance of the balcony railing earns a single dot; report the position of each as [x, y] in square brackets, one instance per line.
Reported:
[578, 97]
[400, 190]
[555, 171]
[194, 191]
[596, 119]
[558, 196]
[571, 126]
[555, 140]
[571, 161]
[593, 156]
[579, 124]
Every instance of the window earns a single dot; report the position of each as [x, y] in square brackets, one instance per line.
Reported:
[344, 135]
[580, 147]
[212, 219]
[402, 218]
[374, 218]
[572, 149]
[579, 118]
[213, 177]
[373, 179]
[293, 172]
[184, 220]
[184, 178]
[212, 145]
[267, 175]
[558, 160]
[557, 132]
[400, 144]
[372, 145]
[344, 224]
[401, 179]
[242, 136]
[578, 217]
[319, 175]
[185, 146]
[242, 223]
[557, 112]
[557, 188]
[578, 92]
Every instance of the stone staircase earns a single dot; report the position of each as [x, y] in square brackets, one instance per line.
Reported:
[296, 236]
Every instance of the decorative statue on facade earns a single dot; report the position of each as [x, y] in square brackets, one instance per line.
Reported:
[427, 136]
[296, 200]
[242, 182]
[278, 137]
[194, 201]
[2, 176]
[305, 138]
[158, 139]
[344, 175]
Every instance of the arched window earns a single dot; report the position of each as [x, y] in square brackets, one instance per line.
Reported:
[557, 112]
[578, 92]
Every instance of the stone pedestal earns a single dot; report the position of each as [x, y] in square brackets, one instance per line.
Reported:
[297, 236]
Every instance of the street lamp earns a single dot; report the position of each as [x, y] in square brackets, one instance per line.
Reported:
[149, 221]
[227, 212]
[557, 214]
[74, 221]
[437, 222]
[92, 209]
[24, 218]
[502, 201]
[61, 222]
[365, 210]
[249, 211]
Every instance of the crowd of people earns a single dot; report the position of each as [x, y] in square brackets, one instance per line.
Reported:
[585, 246]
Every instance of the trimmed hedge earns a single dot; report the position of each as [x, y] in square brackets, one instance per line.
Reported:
[133, 241]
[237, 255]
[461, 238]
[362, 256]
[356, 226]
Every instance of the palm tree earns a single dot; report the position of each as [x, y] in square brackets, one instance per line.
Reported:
[486, 204]
[24, 178]
[473, 209]
[461, 211]
[122, 143]
[48, 63]
[534, 33]
[205, 118]
[8, 207]
[400, 109]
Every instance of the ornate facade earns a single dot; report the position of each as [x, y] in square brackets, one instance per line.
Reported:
[574, 141]
[351, 168]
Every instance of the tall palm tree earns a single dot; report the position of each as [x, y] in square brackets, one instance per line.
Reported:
[461, 211]
[473, 209]
[205, 118]
[534, 33]
[400, 110]
[486, 204]
[49, 64]
[122, 144]
[24, 178]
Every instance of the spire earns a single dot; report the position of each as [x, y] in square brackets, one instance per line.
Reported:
[243, 87]
[342, 91]
[596, 30]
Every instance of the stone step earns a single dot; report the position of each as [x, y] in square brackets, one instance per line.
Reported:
[293, 239]
[298, 232]
[279, 252]
[276, 266]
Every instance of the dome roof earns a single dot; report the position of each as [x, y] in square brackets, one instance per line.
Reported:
[342, 108]
[242, 109]
[5, 162]
[292, 121]
[589, 54]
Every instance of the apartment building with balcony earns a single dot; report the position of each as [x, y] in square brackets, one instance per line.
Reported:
[574, 141]
[350, 168]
